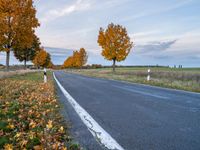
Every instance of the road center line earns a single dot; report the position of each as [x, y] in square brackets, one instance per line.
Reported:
[97, 131]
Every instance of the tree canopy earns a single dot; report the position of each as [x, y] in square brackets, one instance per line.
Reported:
[115, 43]
[18, 22]
[77, 60]
[27, 54]
[42, 59]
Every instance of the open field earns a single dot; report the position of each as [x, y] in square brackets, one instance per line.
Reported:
[30, 114]
[185, 79]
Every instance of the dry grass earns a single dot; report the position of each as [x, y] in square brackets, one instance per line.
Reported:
[185, 79]
[5, 74]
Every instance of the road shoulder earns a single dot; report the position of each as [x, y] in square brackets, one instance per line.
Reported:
[77, 128]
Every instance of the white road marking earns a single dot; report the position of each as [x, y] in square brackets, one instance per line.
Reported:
[97, 131]
[141, 92]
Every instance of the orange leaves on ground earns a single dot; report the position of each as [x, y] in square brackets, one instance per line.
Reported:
[8, 147]
[49, 124]
[29, 116]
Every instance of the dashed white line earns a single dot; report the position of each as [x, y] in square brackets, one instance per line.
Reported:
[97, 131]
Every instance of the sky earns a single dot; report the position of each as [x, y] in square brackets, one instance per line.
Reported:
[163, 32]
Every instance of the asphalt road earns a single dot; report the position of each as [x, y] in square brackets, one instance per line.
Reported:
[138, 117]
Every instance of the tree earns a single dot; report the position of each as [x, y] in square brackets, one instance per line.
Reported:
[68, 63]
[115, 42]
[17, 23]
[27, 54]
[42, 59]
[83, 57]
[76, 63]
[50, 65]
[77, 60]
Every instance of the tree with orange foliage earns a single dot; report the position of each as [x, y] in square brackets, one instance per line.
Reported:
[115, 42]
[17, 24]
[76, 63]
[42, 59]
[27, 54]
[77, 60]
[83, 57]
[68, 63]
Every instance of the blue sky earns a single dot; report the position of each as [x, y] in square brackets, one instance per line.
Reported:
[163, 32]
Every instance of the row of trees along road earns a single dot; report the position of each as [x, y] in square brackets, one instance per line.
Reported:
[77, 60]
[17, 30]
[115, 43]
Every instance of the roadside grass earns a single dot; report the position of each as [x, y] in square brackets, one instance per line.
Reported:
[5, 74]
[30, 115]
[184, 79]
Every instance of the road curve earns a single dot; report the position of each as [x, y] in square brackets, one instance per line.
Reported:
[138, 117]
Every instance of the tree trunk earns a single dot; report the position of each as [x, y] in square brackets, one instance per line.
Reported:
[7, 60]
[25, 64]
[114, 62]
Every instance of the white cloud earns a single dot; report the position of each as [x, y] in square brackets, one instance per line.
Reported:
[188, 42]
[145, 37]
[79, 5]
[180, 45]
[154, 11]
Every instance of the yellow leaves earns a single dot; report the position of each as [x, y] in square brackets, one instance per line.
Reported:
[115, 42]
[8, 147]
[42, 59]
[49, 125]
[32, 124]
[61, 130]
[7, 103]
[64, 148]
[17, 135]
[79, 59]
[10, 126]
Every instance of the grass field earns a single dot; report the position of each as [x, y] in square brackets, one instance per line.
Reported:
[30, 114]
[185, 79]
[5, 74]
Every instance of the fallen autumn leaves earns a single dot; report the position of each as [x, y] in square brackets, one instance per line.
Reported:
[29, 116]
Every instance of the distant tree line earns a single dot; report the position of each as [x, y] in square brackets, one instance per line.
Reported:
[77, 60]
[115, 43]
[18, 23]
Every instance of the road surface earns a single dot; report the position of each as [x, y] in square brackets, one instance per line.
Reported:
[138, 117]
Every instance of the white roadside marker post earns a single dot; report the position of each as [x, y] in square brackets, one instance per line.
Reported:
[148, 76]
[45, 75]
